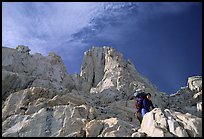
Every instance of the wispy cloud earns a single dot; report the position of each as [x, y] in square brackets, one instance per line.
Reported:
[112, 17]
[44, 26]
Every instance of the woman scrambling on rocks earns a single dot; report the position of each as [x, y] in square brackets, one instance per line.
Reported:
[143, 105]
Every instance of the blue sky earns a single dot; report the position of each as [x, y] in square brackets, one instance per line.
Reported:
[162, 39]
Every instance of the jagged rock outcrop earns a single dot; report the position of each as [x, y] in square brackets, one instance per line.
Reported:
[188, 99]
[168, 123]
[22, 70]
[105, 73]
[41, 99]
[195, 83]
[92, 69]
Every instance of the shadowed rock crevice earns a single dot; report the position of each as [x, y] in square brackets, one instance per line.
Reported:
[48, 125]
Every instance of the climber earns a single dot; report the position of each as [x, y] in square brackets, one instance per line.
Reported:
[146, 104]
[138, 108]
[140, 96]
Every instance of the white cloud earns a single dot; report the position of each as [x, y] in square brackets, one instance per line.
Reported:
[45, 26]
[43, 23]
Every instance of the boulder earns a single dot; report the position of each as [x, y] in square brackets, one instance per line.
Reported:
[168, 123]
[195, 83]
[93, 128]
[114, 127]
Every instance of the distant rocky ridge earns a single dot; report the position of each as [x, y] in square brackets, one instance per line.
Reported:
[41, 99]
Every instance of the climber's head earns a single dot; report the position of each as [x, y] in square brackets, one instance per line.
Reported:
[148, 96]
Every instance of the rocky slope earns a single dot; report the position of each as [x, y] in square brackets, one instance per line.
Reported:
[41, 99]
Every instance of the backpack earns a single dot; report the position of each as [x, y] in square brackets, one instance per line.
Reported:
[139, 98]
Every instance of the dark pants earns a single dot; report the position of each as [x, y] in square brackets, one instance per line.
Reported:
[139, 117]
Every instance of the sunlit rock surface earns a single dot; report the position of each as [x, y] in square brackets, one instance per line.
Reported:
[41, 99]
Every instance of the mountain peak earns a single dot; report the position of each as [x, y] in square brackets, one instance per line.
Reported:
[41, 99]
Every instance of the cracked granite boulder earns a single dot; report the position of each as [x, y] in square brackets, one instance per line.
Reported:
[168, 123]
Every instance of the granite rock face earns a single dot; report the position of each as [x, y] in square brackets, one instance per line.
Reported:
[41, 99]
[105, 73]
[21, 70]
